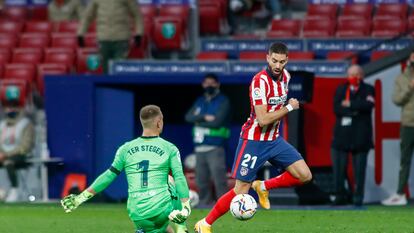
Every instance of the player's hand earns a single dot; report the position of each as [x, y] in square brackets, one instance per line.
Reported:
[209, 118]
[180, 216]
[294, 103]
[346, 103]
[70, 203]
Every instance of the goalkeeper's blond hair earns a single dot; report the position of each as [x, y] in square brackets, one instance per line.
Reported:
[148, 114]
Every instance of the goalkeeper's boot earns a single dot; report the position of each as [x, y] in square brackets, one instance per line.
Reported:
[179, 228]
[202, 227]
[263, 194]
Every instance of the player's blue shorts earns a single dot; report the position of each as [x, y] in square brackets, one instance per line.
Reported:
[252, 155]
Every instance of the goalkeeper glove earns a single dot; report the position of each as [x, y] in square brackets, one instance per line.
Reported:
[179, 216]
[71, 202]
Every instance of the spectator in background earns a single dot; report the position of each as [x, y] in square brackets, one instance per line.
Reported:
[113, 21]
[353, 104]
[16, 139]
[61, 10]
[210, 115]
[403, 96]
[235, 8]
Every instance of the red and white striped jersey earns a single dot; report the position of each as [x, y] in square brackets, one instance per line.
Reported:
[264, 90]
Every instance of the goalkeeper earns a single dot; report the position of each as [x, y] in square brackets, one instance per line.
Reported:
[147, 161]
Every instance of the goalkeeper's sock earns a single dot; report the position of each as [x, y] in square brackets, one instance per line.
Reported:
[284, 180]
[221, 207]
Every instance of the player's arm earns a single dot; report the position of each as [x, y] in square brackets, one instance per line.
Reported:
[71, 202]
[179, 216]
[266, 118]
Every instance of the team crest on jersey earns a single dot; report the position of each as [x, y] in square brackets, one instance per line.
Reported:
[244, 171]
[277, 100]
[257, 94]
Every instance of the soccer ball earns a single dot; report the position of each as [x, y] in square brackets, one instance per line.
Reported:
[243, 207]
[194, 198]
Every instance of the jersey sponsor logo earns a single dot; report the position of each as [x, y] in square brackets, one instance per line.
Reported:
[244, 171]
[143, 194]
[277, 100]
[257, 94]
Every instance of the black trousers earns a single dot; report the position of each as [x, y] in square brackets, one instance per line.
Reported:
[12, 164]
[339, 166]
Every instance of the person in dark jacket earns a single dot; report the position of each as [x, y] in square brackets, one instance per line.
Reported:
[210, 115]
[353, 104]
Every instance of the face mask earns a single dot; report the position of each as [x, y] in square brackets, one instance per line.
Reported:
[210, 90]
[353, 81]
[12, 114]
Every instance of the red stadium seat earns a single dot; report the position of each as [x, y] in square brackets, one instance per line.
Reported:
[34, 40]
[301, 55]
[210, 18]
[20, 71]
[15, 13]
[90, 40]
[391, 11]
[27, 55]
[212, 56]
[82, 56]
[64, 56]
[39, 26]
[176, 11]
[67, 26]
[322, 11]
[38, 12]
[12, 27]
[376, 55]
[353, 28]
[411, 24]
[5, 56]
[284, 28]
[175, 40]
[19, 83]
[388, 28]
[8, 40]
[341, 55]
[319, 28]
[148, 11]
[64, 40]
[48, 68]
[356, 11]
[252, 55]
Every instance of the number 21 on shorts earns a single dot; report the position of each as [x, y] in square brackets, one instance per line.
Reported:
[249, 161]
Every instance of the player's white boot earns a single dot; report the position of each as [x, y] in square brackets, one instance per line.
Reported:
[202, 227]
[263, 194]
[12, 196]
[395, 200]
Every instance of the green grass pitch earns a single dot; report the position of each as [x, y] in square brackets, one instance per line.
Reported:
[113, 218]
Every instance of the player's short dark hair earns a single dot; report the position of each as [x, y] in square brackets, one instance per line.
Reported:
[148, 113]
[211, 76]
[278, 47]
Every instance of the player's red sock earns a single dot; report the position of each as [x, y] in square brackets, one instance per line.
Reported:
[284, 180]
[221, 207]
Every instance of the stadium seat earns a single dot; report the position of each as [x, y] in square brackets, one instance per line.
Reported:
[65, 56]
[391, 11]
[14, 13]
[38, 12]
[64, 40]
[45, 69]
[411, 24]
[20, 71]
[388, 28]
[148, 11]
[356, 11]
[90, 40]
[8, 41]
[246, 36]
[348, 28]
[34, 40]
[319, 28]
[11, 27]
[5, 56]
[301, 55]
[39, 26]
[376, 55]
[252, 55]
[322, 11]
[27, 55]
[20, 83]
[284, 28]
[176, 11]
[176, 37]
[212, 56]
[82, 56]
[341, 55]
[210, 18]
[67, 26]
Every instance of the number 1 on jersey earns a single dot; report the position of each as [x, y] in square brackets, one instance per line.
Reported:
[144, 164]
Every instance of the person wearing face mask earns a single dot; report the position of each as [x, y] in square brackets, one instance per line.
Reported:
[210, 115]
[403, 96]
[63, 10]
[16, 139]
[353, 104]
